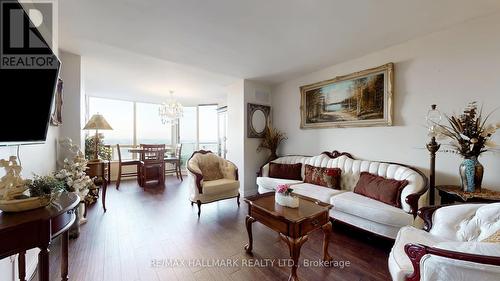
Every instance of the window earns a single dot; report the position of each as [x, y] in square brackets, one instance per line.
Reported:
[120, 116]
[150, 129]
[188, 131]
[208, 133]
[134, 123]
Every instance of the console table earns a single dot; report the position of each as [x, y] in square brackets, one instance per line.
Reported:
[453, 193]
[22, 231]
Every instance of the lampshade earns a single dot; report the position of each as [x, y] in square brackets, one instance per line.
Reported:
[433, 119]
[97, 122]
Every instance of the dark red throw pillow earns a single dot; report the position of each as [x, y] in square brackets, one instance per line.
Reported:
[328, 177]
[381, 189]
[285, 171]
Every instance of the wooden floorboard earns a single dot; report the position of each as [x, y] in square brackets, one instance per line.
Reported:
[158, 224]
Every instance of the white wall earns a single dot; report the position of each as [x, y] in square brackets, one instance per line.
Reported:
[73, 97]
[257, 93]
[448, 68]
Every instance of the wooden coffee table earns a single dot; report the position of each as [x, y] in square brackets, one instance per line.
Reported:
[293, 224]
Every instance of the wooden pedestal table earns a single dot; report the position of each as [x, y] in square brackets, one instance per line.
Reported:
[22, 231]
[293, 224]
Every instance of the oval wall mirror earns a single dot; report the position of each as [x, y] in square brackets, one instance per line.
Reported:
[257, 120]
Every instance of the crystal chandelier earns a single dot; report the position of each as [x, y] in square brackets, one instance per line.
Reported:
[171, 111]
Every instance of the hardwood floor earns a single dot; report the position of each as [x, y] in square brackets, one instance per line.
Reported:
[142, 230]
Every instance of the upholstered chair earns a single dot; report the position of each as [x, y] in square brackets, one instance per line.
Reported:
[457, 243]
[211, 178]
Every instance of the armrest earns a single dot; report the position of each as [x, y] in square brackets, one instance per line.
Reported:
[229, 169]
[426, 213]
[416, 251]
[263, 171]
[413, 200]
[198, 178]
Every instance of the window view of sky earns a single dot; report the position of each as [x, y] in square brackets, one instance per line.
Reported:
[150, 129]
[119, 114]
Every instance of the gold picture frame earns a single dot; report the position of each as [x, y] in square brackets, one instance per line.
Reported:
[359, 99]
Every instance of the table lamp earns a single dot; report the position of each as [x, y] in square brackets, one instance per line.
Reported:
[97, 122]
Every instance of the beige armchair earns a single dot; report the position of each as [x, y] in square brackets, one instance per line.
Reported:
[211, 178]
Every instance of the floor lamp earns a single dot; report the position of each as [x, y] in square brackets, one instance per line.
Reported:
[433, 120]
[97, 122]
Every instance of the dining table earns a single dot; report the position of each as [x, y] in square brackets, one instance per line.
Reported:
[142, 151]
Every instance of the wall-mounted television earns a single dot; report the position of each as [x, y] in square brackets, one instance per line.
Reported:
[29, 72]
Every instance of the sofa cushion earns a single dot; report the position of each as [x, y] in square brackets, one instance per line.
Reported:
[327, 177]
[370, 209]
[271, 183]
[220, 186]
[379, 188]
[317, 192]
[285, 171]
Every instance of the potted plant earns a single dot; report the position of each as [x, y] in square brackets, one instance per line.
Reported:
[284, 197]
[469, 137]
[90, 146]
[271, 140]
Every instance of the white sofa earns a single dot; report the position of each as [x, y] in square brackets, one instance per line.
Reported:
[450, 247]
[350, 207]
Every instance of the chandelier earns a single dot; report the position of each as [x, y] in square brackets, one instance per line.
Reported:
[171, 111]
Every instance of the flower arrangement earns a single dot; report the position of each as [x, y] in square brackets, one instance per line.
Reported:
[74, 177]
[44, 186]
[284, 189]
[470, 135]
[271, 140]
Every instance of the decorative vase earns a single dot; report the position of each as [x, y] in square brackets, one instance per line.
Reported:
[272, 156]
[471, 174]
[286, 200]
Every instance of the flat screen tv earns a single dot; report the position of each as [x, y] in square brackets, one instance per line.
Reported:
[29, 73]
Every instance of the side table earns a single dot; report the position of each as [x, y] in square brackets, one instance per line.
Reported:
[453, 193]
[101, 171]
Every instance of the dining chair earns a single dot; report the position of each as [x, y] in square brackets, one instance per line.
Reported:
[127, 174]
[152, 163]
[175, 161]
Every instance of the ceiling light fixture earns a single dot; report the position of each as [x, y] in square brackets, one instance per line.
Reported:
[170, 111]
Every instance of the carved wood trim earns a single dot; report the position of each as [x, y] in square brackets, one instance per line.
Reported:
[416, 251]
[426, 213]
[335, 154]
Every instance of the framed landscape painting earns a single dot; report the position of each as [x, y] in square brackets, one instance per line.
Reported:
[359, 99]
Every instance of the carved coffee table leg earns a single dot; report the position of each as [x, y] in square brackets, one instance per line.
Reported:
[327, 230]
[22, 266]
[248, 247]
[294, 244]
[64, 255]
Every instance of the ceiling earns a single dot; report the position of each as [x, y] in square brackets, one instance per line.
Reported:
[140, 47]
